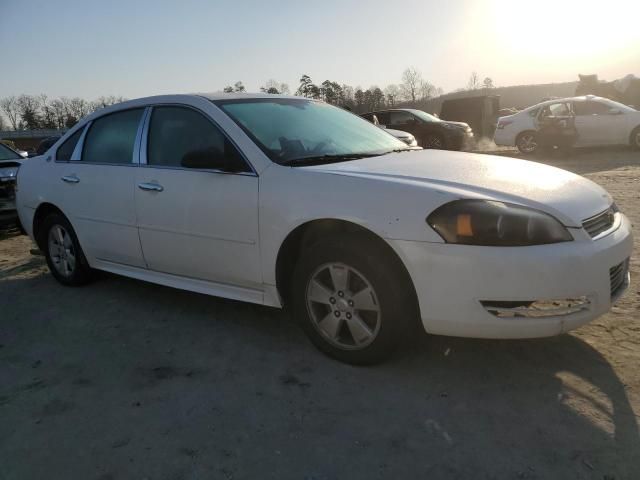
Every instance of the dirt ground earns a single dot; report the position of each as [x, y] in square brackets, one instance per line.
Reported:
[127, 380]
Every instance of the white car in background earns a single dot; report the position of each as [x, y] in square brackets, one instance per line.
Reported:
[290, 201]
[598, 121]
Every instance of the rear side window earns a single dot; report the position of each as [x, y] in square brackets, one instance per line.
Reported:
[111, 138]
[590, 108]
[68, 146]
[175, 132]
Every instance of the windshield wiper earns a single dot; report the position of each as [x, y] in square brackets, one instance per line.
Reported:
[319, 159]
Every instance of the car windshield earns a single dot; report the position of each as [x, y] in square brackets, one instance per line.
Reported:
[427, 117]
[302, 131]
[7, 154]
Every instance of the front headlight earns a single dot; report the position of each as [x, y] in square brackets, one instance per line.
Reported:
[8, 173]
[497, 224]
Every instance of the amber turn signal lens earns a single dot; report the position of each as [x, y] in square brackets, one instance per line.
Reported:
[463, 225]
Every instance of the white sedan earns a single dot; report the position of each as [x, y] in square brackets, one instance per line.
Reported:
[290, 201]
[598, 122]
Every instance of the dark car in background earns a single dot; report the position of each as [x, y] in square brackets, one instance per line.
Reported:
[10, 162]
[430, 131]
[46, 144]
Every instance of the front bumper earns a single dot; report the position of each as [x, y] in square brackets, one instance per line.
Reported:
[451, 281]
[461, 141]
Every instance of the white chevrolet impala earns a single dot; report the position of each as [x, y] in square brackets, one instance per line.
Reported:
[289, 201]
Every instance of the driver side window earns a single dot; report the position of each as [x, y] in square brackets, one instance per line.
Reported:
[178, 132]
[400, 118]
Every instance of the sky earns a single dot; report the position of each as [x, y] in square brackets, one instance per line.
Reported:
[135, 48]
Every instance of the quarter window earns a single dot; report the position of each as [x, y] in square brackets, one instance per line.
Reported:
[65, 151]
[111, 138]
[176, 132]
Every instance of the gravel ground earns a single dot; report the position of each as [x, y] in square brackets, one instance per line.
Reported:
[123, 379]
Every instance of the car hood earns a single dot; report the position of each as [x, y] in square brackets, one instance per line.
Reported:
[567, 196]
[398, 133]
[457, 124]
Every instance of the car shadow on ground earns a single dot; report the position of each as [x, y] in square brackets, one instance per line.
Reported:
[138, 380]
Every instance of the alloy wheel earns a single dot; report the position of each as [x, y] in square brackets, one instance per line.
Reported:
[528, 143]
[433, 142]
[61, 251]
[343, 306]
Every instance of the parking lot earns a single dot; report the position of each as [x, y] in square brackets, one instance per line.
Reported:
[125, 379]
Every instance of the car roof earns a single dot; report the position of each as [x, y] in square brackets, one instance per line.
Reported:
[180, 98]
[582, 98]
[392, 110]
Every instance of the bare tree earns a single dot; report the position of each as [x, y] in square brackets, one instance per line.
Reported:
[274, 87]
[59, 113]
[9, 106]
[427, 90]
[411, 81]
[392, 92]
[474, 81]
[103, 102]
[488, 83]
[1, 123]
[29, 108]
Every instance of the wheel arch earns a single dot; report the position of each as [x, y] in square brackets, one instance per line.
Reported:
[309, 232]
[43, 211]
[632, 136]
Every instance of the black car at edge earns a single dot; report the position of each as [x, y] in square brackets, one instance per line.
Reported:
[430, 131]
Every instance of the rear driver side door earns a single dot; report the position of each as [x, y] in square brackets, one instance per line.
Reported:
[94, 171]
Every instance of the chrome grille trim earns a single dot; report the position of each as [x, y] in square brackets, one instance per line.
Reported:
[599, 223]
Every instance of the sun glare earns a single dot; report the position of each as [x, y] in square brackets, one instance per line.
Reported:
[567, 30]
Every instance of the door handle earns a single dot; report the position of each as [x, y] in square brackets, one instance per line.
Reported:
[151, 187]
[70, 179]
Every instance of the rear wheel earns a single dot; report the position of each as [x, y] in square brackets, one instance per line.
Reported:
[527, 143]
[635, 138]
[352, 300]
[63, 253]
[433, 140]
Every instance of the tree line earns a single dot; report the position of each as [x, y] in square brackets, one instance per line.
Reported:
[32, 112]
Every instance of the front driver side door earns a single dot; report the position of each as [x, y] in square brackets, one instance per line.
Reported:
[596, 126]
[196, 223]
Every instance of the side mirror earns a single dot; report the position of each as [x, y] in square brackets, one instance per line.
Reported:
[205, 160]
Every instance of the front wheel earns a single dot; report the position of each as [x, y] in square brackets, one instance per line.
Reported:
[433, 141]
[352, 300]
[527, 143]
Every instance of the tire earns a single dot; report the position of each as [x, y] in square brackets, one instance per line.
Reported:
[527, 143]
[63, 253]
[374, 280]
[433, 141]
[635, 138]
